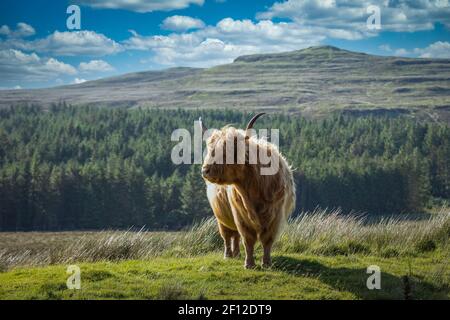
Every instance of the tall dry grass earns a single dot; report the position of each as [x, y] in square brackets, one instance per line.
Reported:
[318, 232]
[332, 233]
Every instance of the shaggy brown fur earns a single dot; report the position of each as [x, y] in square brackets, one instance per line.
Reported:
[246, 203]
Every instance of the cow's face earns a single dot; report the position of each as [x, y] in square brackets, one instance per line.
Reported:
[216, 169]
[227, 157]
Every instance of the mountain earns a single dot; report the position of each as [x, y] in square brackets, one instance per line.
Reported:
[311, 81]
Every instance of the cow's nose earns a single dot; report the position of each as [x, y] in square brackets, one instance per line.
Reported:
[205, 171]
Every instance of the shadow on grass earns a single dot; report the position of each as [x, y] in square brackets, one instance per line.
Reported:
[354, 280]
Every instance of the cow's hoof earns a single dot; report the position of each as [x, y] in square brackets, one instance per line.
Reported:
[250, 266]
[266, 265]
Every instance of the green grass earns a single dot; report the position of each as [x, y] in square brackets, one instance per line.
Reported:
[293, 276]
[316, 233]
[319, 255]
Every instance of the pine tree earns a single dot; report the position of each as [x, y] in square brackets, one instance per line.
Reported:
[193, 195]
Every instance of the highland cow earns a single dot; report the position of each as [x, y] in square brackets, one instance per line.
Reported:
[247, 204]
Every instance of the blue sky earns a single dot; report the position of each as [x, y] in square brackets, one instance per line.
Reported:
[119, 36]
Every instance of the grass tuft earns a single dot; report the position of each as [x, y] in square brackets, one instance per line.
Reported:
[172, 291]
[319, 232]
[389, 253]
[425, 245]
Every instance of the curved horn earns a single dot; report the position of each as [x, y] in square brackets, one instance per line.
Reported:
[252, 122]
[203, 126]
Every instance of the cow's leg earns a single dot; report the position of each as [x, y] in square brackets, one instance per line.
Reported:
[227, 235]
[249, 239]
[267, 242]
[236, 245]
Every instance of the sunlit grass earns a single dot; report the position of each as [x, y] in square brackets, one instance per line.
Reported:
[320, 232]
[293, 276]
[320, 255]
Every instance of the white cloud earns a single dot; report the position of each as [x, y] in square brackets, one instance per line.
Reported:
[182, 23]
[11, 88]
[438, 49]
[76, 43]
[16, 65]
[207, 53]
[67, 43]
[5, 30]
[398, 15]
[385, 47]
[78, 81]
[95, 66]
[22, 30]
[401, 52]
[267, 33]
[140, 5]
[224, 42]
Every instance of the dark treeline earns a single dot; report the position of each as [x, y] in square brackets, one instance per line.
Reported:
[92, 168]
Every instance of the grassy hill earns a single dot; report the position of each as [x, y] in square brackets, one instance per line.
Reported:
[293, 276]
[312, 81]
[319, 256]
